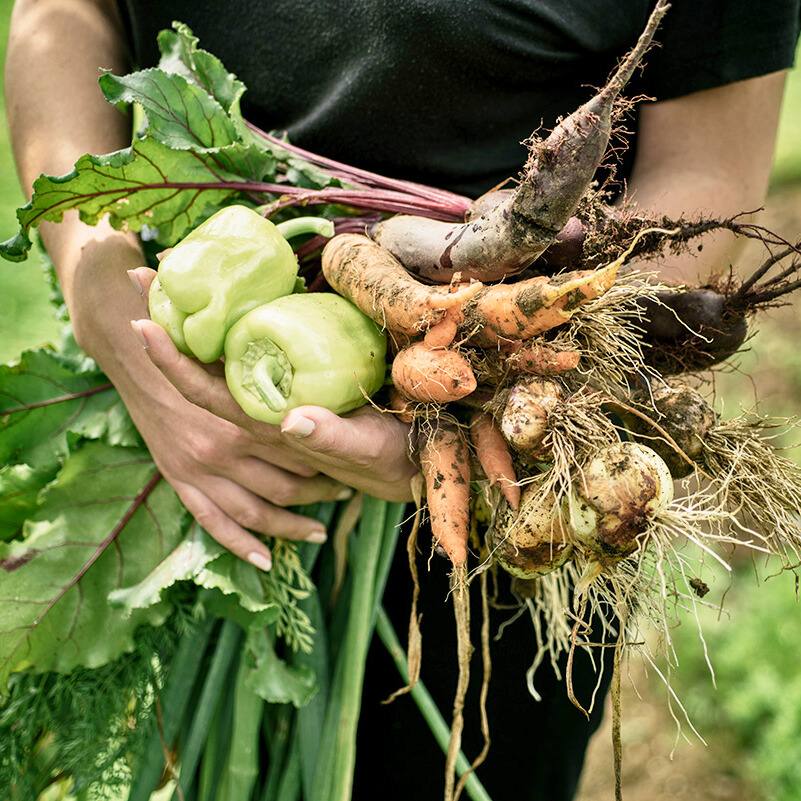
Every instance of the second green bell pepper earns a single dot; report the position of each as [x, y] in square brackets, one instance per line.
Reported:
[304, 349]
[231, 263]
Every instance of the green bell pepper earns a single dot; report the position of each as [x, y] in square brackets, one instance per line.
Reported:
[304, 349]
[233, 262]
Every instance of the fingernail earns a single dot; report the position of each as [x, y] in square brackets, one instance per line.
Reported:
[299, 427]
[260, 560]
[344, 494]
[317, 537]
[136, 282]
[140, 334]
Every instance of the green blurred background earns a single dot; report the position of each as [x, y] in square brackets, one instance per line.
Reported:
[26, 319]
[752, 721]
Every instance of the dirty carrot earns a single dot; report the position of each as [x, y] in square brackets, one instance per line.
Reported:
[494, 456]
[378, 284]
[509, 312]
[541, 359]
[436, 375]
[445, 464]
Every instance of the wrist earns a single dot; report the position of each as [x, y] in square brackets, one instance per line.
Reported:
[92, 265]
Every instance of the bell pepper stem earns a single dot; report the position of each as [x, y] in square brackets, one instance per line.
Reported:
[306, 225]
[265, 386]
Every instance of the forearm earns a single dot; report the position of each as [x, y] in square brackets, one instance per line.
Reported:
[56, 113]
[707, 154]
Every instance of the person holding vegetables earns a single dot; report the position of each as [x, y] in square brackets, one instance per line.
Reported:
[437, 93]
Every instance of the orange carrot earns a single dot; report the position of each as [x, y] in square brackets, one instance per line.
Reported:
[444, 332]
[437, 375]
[494, 366]
[402, 407]
[372, 279]
[445, 463]
[502, 312]
[378, 284]
[494, 456]
[539, 358]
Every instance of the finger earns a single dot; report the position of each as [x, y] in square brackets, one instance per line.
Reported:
[281, 458]
[142, 278]
[257, 515]
[367, 450]
[283, 488]
[223, 529]
[192, 380]
[235, 538]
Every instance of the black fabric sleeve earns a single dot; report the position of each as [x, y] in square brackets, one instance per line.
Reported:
[703, 45]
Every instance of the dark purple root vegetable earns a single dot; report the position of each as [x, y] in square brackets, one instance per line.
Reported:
[566, 250]
[510, 235]
[697, 328]
[691, 330]
[694, 328]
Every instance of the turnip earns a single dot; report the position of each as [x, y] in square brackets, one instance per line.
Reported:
[615, 498]
[524, 420]
[683, 414]
[535, 540]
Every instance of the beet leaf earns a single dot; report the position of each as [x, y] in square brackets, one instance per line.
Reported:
[47, 405]
[104, 524]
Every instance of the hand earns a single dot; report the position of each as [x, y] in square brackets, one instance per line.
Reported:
[365, 449]
[234, 487]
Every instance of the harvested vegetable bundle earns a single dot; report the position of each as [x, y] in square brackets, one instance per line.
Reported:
[469, 353]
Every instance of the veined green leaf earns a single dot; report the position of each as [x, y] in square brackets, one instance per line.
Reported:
[105, 523]
[179, 114]
[189, 557]
[181, 55]
[20, 485]
[240, 582]
[147, 184]
[45, 405]
[273, 679]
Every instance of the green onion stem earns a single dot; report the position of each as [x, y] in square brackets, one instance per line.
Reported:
[279, 733]
[226, 650]
[180, 682]
[215, 754]
[337, 756]
[290, 786]
[242, 769]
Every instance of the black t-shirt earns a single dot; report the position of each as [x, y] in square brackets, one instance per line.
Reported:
[444, 91]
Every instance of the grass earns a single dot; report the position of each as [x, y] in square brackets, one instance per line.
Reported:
[753, 719]
[787, 162]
